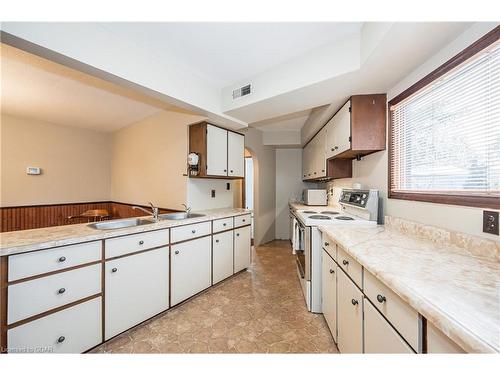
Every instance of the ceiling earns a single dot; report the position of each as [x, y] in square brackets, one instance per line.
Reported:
[292, 122]
[33, 87]
[227, 52]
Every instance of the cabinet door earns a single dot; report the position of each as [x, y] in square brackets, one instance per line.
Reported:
[320, 158]
[242, 251]
[222, 256]
[136, 288]
[342, 129]
[216, 151]
[379, 336]
[330, 138]
[307, 161]
[329, 293]
[191, 268]
[235, 154]
[349, 315]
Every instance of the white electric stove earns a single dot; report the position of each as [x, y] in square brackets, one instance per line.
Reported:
[356, 207]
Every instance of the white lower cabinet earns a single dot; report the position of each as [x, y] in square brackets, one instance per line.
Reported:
[349, 315]
[380, 337]
[136, 288]
[191, 268]
[72, 330]
[222, 256]
[242, 248]
[329, 293]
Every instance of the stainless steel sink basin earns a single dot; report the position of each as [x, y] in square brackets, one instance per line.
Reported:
[179, 216]
[117, 224]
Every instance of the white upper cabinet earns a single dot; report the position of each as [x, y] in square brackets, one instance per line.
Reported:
[339, 132]
[320, 157]
[216, 151]
[235, 154]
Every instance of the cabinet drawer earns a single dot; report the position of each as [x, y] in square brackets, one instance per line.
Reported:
[58, 258]
[188, 232]
[36, 296]
[379, 336]
[72, 330]
[242, 220]
[222, 224]
[135, 242]
[350, 266]
[397, 311]
[330, 247]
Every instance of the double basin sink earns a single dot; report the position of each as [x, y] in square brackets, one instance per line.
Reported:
[135, 222]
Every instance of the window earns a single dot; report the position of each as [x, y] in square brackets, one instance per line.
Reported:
[444, 133]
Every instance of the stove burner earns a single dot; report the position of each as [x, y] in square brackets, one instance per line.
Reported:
[344, 218]
[330, 212]
[320, 217]
[309, 212]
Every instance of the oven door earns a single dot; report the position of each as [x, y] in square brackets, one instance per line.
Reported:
[304, 252]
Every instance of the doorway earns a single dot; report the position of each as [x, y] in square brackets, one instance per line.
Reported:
[248, 188]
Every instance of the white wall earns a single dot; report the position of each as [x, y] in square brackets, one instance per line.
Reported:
[288, 185]
[371, 171]
[199, 193]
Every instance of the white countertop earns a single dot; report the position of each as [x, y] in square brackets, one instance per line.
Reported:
[452, 279]
[42, 238]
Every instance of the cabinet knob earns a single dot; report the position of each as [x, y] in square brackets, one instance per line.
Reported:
[225, 170]
[62, 259]
[237, 234]
[193, 231]
[224, 224]
[336, 147]
[332, 149]
[114, 270]
[61, 339]
[217, 241]
[141, 242]
[327, 244]
[231, 171]
[176, 251]
[243, 220]
[61, 291]
[332, 271]
[354, 302]
[345, 262]
[381, 298]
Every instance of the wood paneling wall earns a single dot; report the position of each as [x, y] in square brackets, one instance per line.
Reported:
[31, 217]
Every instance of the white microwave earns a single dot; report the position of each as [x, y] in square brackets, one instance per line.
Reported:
[314, 197]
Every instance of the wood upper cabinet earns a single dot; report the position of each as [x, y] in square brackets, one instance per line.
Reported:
[220, 151]
[329, 293]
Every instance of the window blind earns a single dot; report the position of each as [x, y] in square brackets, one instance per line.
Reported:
[445, 138]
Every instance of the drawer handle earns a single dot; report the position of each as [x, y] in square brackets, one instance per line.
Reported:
[61, 291]
[217, 241]
[381, 298]
[327, 244]
[193, 231]
[114, 270]
[61, 339]
[354, 302]
[62, 259]
[332, 271]
[176, 251]
[141, 242]
[224, 224]
[345, 262]
[243, 220]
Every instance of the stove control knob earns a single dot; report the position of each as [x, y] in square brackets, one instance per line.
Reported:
[364, 195]
[362, 202]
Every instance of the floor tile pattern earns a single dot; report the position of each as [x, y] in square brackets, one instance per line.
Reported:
[260, 310]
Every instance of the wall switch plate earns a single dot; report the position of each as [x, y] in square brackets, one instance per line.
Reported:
[33, 170]
[213, 193]
[490, 222]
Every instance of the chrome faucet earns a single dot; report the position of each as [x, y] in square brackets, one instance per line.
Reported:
[187, 209]
[153, 212]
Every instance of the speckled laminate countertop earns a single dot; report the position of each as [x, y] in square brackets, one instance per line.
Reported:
[452, 279]
[43, 238]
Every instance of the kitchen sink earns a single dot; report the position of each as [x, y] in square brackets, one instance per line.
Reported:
[179, 216]
[117, 224]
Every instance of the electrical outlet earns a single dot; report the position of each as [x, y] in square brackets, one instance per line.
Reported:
[213, 193]
[228, 186]
[490, 222]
